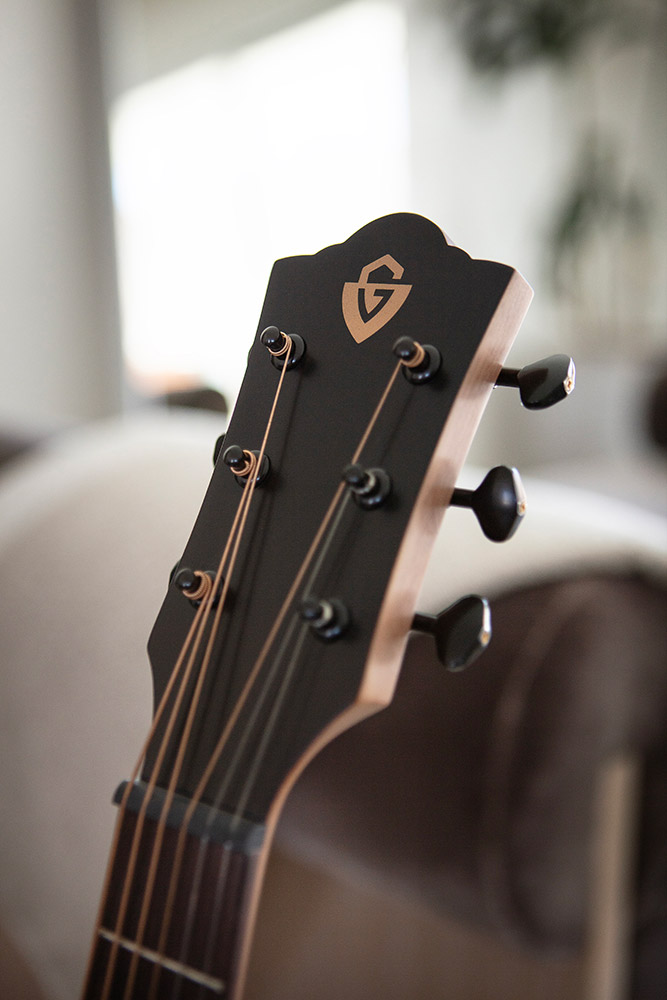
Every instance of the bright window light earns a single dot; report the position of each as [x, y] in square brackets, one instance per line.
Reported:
[288, 145]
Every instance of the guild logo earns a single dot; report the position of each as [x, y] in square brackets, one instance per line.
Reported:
[369, 305]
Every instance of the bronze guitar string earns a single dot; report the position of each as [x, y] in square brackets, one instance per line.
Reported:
[199, 865]
[197, 628]
[241, 745]
[132, 860]
[183, 744]
[289, 671]
[262, 655]
[231, 722]
[135, 771]
[244, 507]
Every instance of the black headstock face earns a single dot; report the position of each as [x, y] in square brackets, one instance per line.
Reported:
[350, 304]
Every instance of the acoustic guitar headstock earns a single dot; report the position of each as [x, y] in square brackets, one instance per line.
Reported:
[287, 616]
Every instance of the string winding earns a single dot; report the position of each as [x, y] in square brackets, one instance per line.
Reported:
[193, 642]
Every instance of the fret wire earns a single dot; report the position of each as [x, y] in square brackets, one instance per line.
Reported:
[220, 796]
[220, 886]
[244, 506]
[196, 633]
[299, 578]
[213, 929]
[172, 965]
[134, 774]
[193, 903]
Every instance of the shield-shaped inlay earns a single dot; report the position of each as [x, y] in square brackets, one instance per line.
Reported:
[369, 305]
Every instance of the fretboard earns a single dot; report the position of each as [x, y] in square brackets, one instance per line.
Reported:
[190, 945]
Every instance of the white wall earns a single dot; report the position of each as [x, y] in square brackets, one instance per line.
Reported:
[487, 164]
[59, 344]
[491, 158]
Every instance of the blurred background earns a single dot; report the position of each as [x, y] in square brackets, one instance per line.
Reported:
[158, 155]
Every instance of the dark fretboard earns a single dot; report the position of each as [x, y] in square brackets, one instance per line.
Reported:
[192, 948]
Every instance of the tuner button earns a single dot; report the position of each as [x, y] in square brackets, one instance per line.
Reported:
[218, 448]
[543, 383]
[461, 632]
[499, 502]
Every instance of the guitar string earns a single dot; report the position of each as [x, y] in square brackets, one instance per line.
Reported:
[308, 589]
[355, 457]
[203, 844]
[132, 778]
[283, 611]
[200, 620]
[218, 899]
[270, 724]
[216, 912]
[275, 711]
[231, 722]
[193, 901]
[267, 732]
[200, 860]
[249, 728]
[156, 847]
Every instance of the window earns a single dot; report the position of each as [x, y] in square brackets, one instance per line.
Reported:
[284, 147]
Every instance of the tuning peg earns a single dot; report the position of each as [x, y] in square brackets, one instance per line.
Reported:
[218, 448]
[499, 502]
[543, 383]
[461, 632]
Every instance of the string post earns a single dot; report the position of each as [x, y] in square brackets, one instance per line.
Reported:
[286, 350]
[196, 585]
[245, 464]
[238, 460]
[369, 487]
[419, 362]
[328, 619]
[274, 340]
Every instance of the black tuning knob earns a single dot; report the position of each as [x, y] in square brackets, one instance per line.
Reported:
[499, 502]
[461, 632]
[543, 383]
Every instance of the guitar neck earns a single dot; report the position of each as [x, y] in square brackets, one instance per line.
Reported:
[286, 619]
[197, 926]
